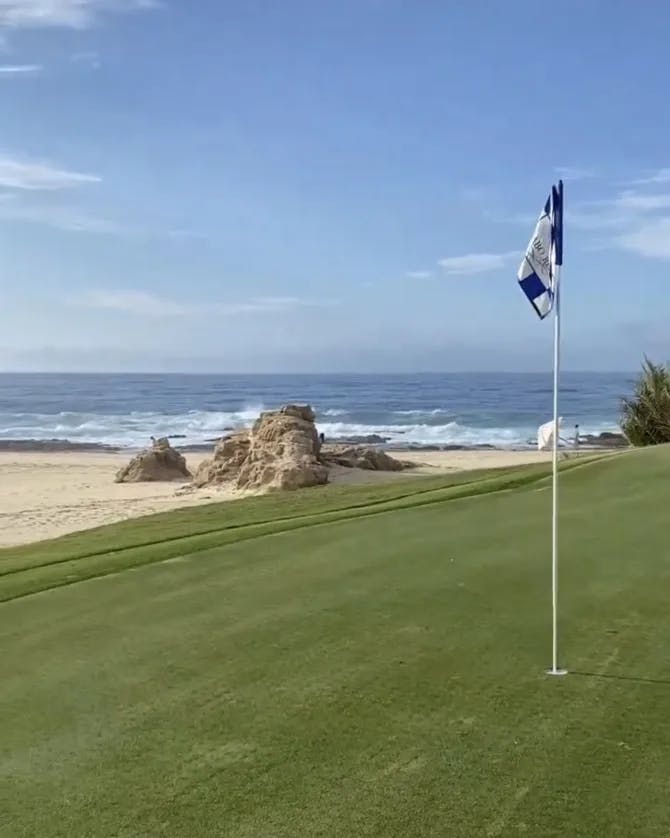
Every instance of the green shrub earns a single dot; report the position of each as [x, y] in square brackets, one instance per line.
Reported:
[646, 417]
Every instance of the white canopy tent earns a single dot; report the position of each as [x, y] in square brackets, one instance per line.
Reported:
[545, 435]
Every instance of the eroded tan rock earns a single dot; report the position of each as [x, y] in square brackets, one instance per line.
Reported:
[280, 452]
[160, 463]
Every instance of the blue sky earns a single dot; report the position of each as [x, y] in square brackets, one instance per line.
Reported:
[313, 186]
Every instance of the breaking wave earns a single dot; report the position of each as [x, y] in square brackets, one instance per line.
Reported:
[194, 427]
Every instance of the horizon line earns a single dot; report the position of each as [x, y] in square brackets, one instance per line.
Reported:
[324, 373]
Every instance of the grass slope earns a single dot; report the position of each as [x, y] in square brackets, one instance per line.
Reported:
[347, 663]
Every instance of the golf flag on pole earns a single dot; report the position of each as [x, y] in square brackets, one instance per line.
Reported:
[537, 273]
[539, 278]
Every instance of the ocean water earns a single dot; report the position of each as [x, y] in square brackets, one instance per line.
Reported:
[451, 409]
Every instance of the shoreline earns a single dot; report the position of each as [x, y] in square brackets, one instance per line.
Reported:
[47, 494]
[605, 440]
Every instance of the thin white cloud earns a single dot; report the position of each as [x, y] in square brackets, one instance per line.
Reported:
[186, 235]
[20, 69]
[639, 202]
[477, 263]
[625, 210]
[286, 303]
[603, 218]
[72, 14]
[522, 218]
[651, 240]
[587, 215]
[89, 58]
[660, 176]
[131, 302]
[635, 220]
[69, 219]
[36, 175]
[477, 194]
[574, 173]
[60, 218]
[141, 303]
[419, 274]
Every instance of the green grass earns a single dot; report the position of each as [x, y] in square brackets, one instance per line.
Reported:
[347, 662]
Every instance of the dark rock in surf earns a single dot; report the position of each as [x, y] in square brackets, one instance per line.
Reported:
[370, 459]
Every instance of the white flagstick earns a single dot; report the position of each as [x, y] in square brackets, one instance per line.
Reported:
[539, 276]
[554, 512]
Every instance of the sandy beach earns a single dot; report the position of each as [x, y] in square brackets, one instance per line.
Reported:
[45, 495]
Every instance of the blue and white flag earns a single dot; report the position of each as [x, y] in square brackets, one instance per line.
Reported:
[538, 274]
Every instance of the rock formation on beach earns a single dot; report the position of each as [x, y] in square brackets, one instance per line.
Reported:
[281, 451]
[604, 440]
[160, 463]
[354, 456]
[229, 456]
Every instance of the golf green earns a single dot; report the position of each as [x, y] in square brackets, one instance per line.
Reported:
[359, 662]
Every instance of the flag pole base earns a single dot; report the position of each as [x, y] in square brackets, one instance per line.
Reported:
[556, 671]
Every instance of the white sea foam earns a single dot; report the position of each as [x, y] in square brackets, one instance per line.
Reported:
[437, 411]
[427, 426]
[199, 426]
[126, 430]
[450, 433]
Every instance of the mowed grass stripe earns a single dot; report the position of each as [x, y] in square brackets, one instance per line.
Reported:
[217, 517]
[209, 519]
[22, 580]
